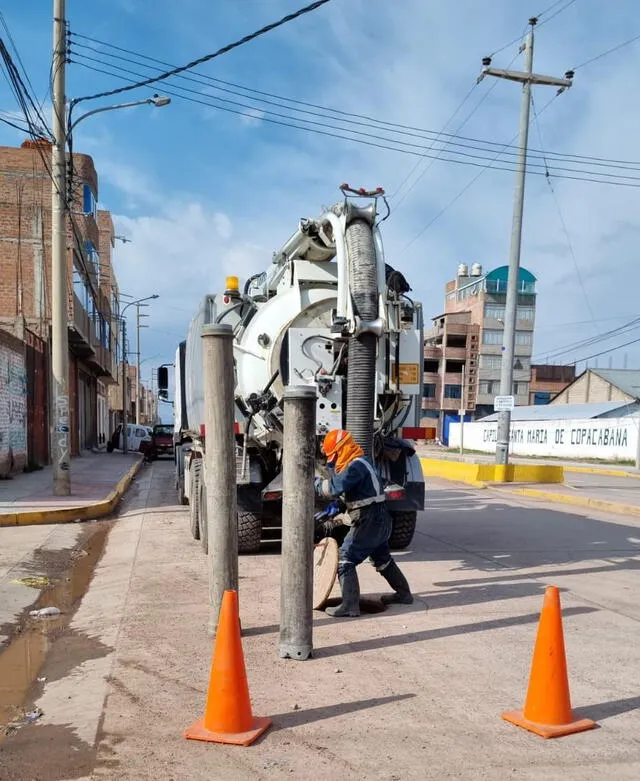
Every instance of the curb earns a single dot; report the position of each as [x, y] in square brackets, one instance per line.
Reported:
[577, 501]
[591, 470]
[70, 514]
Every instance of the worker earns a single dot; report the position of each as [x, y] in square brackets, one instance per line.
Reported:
[357, 480]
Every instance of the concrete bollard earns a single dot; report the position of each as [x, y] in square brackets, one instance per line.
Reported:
[220, 465]
[298, 471]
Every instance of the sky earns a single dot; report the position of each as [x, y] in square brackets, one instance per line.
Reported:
[202, 193]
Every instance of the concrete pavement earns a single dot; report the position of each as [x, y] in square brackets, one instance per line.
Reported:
[98, 481]
[409, 693]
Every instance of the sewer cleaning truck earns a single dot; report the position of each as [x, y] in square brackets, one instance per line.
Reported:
[329, 312]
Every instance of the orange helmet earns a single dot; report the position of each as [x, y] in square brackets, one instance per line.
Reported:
[333, 442]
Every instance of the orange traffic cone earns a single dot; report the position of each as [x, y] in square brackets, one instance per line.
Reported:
[227, 714]
[547, 709]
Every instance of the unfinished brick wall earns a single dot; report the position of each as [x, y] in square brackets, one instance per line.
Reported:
[13, 408]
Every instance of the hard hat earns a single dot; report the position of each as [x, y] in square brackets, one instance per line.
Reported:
[334, 441]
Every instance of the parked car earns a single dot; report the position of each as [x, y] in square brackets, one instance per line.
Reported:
[162, 440]
[139, 439]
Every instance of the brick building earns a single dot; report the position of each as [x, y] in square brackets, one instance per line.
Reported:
[547, 381]
[25, 279]
[468, 338]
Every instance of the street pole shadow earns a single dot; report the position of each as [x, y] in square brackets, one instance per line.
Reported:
[375, 643]
[301, 717]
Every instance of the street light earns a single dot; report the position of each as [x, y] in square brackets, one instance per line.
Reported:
[157, 100]
[124, 366]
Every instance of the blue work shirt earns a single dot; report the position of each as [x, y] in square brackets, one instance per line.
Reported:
[360, 484]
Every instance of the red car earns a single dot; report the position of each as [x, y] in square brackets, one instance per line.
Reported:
[162, 440]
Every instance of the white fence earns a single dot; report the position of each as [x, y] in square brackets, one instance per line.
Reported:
[608, 439]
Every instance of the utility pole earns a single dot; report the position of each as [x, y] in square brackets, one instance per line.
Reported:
[124, 385]
[462, 411]
[60, 440]
[138, 380]
[527, 78]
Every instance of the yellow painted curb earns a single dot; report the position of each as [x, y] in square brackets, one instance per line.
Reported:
[592, 470]
[480, 474]
[574, 499]
[70, 514]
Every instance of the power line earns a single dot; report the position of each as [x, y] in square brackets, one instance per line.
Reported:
[22, 129]
[609, 51]
[398, 148]
[461, 192]
[467, 118]
[559, 11]
[604, 352]
[560, 215]
[603, 337]
[38, 109]
[400, 145]
[444, 127]
[224, 50]
[368, 121]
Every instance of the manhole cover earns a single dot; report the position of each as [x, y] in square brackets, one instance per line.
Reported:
[325, 569]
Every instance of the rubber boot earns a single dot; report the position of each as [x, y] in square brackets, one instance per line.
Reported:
[394, 577]
[350, 605]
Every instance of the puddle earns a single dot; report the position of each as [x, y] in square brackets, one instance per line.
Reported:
[22, 659]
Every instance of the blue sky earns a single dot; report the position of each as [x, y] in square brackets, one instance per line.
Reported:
[202, 193]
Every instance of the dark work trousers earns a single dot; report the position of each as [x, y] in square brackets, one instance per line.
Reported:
[368, 539]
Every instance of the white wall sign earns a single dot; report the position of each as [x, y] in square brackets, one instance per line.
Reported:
[609, 439]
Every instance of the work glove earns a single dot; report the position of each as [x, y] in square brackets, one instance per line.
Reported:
[317, 485]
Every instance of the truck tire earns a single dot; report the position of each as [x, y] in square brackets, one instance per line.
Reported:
[249, 518]
[194, 504]
[404, 527]
[202, 518]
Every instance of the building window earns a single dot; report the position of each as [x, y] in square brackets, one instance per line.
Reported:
[488, 387]
[89, 203]
[94, 259]
[490, 362]
[541, 397]
[453, 391]
[524, 337]
[526, 313]
[490, 336]
[429, 390]
[521, 364]
[494, 312]
[520, 388]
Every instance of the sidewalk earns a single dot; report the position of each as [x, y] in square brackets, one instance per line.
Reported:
[97, 483]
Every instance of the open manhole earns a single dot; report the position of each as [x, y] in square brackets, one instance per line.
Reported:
[366, 605]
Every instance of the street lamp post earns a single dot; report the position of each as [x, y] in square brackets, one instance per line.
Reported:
[124, 367]
[62, 127]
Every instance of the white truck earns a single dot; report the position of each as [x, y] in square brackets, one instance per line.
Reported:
[328, 312]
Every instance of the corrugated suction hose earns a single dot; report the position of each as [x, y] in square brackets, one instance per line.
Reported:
[361, 372]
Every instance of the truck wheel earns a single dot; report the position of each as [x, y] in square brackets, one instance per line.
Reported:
[202, 518]
[404, 527]
[249, 518]
[194, 504]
